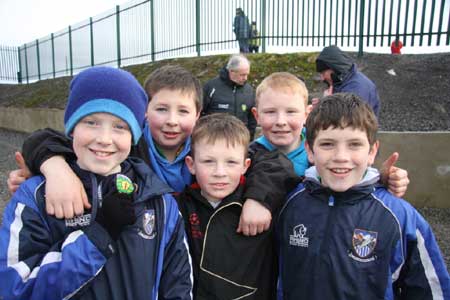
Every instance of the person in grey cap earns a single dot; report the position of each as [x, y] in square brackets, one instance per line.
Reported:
[341, 74]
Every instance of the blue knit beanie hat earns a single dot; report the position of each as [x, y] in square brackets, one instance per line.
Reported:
[107, 90]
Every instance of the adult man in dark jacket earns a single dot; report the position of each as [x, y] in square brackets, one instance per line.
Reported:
[241, 28]
[341, 74]
[230, 93]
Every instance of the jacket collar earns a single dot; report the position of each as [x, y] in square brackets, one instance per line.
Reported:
[356, 193]
[194, 192]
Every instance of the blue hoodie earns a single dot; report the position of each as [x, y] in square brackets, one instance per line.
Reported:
[175, 173]
[298, 156]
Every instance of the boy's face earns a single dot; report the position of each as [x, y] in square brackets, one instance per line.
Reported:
[101, 142]
[281, 117]
[341, 156]
[218, 168]
[171, 116]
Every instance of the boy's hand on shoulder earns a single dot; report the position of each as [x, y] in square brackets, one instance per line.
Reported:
[16, 177]
[255, 218]
[395, 179]
[64, 191]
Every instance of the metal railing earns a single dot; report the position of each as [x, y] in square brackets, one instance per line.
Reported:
[152, 30]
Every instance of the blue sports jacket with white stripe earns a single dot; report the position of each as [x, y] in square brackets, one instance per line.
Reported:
[45, 258]
[360, 244]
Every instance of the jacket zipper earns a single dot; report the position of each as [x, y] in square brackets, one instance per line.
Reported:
[324, 244]
[235, 101]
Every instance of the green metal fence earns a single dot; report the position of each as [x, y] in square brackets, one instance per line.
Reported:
[158, 29]
[9, 64]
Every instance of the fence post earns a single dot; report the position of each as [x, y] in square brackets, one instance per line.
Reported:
[19, 73]
[118, 35]
[361, 28]
[38, 59]
[152, 31]
[263, 26]
[26, 62]
[70, 51]
[92, 41]
[53, 55]
[197, 26]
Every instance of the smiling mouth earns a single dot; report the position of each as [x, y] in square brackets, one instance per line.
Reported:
[101, 153]
[171, 134]
[340, 171]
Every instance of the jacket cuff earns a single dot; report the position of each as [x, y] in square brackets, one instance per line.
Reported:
[100, 238]
[255, 194]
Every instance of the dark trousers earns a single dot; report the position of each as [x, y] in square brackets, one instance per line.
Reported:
[243, 45]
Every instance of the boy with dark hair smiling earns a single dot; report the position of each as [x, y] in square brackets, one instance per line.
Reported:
[131, 243]
[341, 235]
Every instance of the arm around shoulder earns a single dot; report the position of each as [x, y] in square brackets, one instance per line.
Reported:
[270, 177]
[43, 144]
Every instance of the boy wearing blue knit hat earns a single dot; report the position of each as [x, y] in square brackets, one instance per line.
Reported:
[131, 244]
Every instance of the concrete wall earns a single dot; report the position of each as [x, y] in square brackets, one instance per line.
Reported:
[28, 120]
[426, 155]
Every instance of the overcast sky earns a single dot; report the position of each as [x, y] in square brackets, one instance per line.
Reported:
[22, 21]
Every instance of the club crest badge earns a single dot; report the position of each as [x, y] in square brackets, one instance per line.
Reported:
[124, 184]
[148, 230]
[364, 243]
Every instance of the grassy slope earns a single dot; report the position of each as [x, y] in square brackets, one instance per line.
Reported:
[53, 93]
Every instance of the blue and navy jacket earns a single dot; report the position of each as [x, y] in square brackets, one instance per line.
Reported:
[42, 257]
[357, 83]
[346, 77]
[360, 244]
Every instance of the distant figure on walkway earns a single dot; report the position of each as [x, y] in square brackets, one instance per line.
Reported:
[255, 41]
[241, 28]
[341, 74]
[231, 93]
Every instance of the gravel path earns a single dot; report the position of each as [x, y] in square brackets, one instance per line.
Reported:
[11, 141]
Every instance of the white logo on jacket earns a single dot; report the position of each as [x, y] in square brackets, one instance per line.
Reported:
[148, 230]
[81, 221]
[298, 238]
